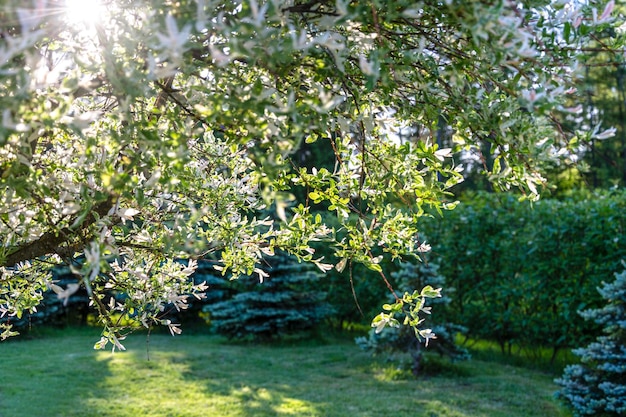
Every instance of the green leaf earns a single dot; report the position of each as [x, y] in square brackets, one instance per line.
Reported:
[315, 196]
[430, 292]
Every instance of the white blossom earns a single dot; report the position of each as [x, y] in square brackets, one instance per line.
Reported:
[258, 15]
[606, 14]
[368, 67]
[8, 123]
[174, 328]
[443, 153]
[127, 214]
[383, 320]
[173, 41]
[201, 17]
[424, 247]
[300, 41]
[65, 294]
[605, 134]
[220, 57]
[427, 334]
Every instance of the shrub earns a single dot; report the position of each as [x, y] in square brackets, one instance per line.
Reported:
[287, 301]
[597, 386]
[396, 342]
[522, 272]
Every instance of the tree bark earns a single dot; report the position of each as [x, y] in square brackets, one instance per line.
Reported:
[51, 241]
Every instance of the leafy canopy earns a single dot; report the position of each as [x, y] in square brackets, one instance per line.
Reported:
[162, 131]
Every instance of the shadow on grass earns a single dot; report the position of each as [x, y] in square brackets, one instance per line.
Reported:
[203, 376]
[49, 373]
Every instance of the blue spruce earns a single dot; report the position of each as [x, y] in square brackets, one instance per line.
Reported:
[286, 302]
[597, 386]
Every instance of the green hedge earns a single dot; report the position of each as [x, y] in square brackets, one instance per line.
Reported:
[522, 271]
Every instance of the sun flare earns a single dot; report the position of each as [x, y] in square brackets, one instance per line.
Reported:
[86, 12]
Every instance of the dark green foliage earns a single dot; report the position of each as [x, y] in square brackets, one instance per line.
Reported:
[402, 341]
[355, 295]
[286, 302]
[605, 103]
[522, 272]
[597, 386]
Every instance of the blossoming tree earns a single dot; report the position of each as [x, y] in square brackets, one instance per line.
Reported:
[139, 136]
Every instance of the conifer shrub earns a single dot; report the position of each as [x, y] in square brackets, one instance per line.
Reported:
[287, 301]
[597, 386]
[402, 344]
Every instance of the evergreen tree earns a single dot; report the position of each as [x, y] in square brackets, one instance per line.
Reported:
[286, 301]
[401, 340]
[597, 386]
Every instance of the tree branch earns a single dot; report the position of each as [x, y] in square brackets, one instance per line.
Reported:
[50, 241]
[312, 6]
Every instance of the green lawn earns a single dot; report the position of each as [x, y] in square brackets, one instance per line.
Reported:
[198, 375]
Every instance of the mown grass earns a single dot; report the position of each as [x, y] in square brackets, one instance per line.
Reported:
[201, 375]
